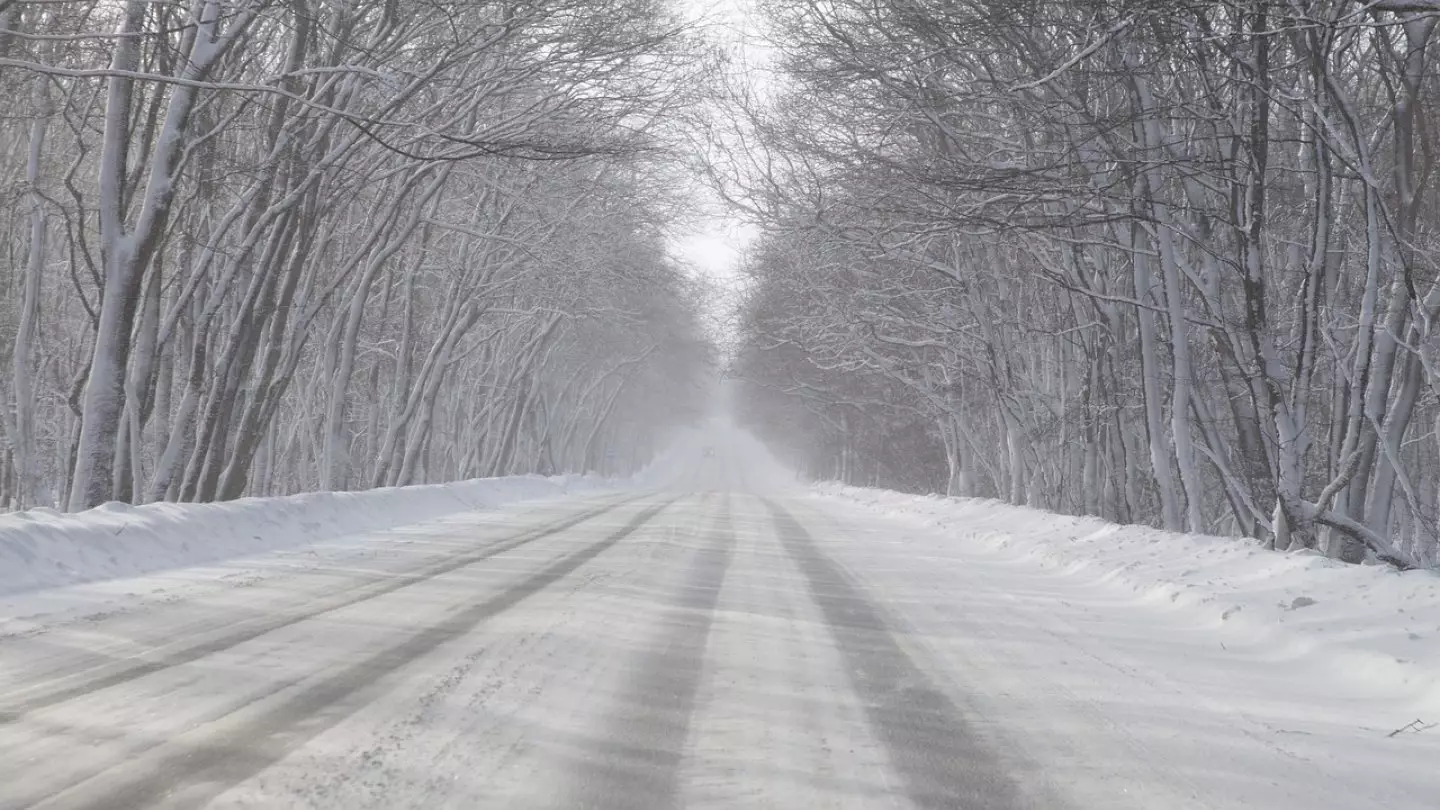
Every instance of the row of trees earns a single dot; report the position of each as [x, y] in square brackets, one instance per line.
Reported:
[1165, 262]
[255, 247]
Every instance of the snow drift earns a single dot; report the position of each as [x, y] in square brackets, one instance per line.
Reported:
[43, 548]
[1371, 630]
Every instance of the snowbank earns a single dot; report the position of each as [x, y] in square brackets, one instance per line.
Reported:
[1372, 627]
[42, 548]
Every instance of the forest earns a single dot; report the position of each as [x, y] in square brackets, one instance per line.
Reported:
[251, 247]
[1166, 262]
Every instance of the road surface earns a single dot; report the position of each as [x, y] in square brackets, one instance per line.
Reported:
[707, 646]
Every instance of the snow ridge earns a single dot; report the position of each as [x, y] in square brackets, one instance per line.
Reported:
[1369, 631]
[44, 548]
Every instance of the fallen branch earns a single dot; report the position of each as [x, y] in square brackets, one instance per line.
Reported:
[1417, 726]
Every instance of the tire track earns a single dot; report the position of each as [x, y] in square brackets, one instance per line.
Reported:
[195, 773]
[942, 761]
[367, 589]
[637, 764]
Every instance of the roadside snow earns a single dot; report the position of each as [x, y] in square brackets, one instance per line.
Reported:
[43, 548]
[1367, 632]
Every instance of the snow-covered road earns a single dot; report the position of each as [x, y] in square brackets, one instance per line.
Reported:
[709, 646]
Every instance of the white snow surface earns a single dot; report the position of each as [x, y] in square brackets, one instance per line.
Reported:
[703, 654]
[44, 548]
[1358, 633]
[1132, 667]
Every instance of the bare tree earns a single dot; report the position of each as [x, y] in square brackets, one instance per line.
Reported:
[259, 247]
[1172, 263]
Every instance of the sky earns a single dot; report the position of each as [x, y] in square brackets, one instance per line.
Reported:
[716, 240]
[715, 247]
